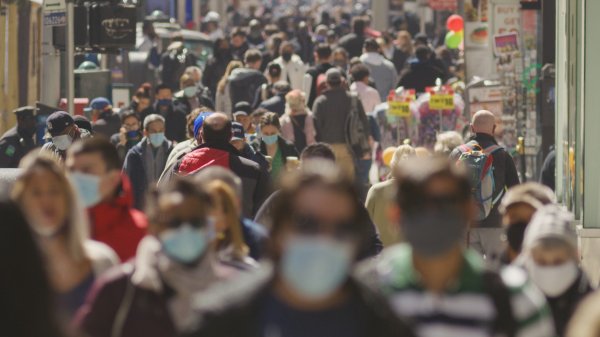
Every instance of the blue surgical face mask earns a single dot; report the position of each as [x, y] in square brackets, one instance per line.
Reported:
[190, 91]
[164, 102]
[270, 140]
[156, 139]
[133, 134]
[186, 243]
[88, 188]
[316, 267]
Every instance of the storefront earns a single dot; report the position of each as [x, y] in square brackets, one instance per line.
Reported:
[577, 120]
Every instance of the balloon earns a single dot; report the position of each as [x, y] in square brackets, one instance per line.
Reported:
[453, 39]
[455, 23]
[388, 153]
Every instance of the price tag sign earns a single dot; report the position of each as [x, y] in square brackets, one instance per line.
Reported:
[400, 109]
[55, 13]
[441, 102]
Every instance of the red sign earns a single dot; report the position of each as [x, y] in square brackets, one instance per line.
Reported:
[443, 5]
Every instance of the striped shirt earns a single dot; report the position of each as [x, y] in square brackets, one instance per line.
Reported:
[465, 309]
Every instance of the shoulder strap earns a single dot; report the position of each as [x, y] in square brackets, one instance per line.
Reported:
[491, 149]
[495, 288]
[123, 310]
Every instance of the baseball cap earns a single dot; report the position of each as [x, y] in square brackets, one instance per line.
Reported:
[99, 103]
[83, 123]
[237, 131]
[534, 194]
[334, 75]
[240, 113]
[199, 121]
[25, 111]
[551, 221]
[58, 122]
[243, 106]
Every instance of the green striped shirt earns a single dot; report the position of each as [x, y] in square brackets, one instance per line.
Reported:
[465, 309]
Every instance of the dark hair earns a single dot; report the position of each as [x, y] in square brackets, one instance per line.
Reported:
[359, 72]
[103, 147]
[28, 307]
[323, 51]
[212, 135]
[252, 56]
[423, 53]
[238, 31]
[274, 69]
[314, 173]
[358, 26]
[340, 50]
[318, 151]
[270, 118]
[371, 45]
[413, 177]
[143, 92]
[183, 186]
[127, 113]
[162, 86]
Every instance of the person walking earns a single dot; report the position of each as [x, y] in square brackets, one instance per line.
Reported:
[369, 97]
[421, 73]
[292, 67]
[107, 194]
[297, 124]
[223, 97]
[174, 118]
[63, 132]
[276, 103]
[105, 122]
[129, 134]
[550, 256]
[58, 222]
[243, 82]
[146, 161]
[353, 42]
[315, 76]
[275, 146]
[331, 112]
[19, 140]
[437, 284]
[381, 69]
[217, 65]
[305, 287]
[485, 236]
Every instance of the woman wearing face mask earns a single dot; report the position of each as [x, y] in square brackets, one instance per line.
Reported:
[230, 245]
[292, 67]
[305, 289]
[152, 295]
[60, 226]
[273, 145]
[550, 257]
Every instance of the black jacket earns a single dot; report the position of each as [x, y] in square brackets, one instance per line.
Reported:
[505, 175]
[287, 149]
[274, 104]
[13, 147]
[214, 70]
[255, 181]
[243, 84]
[353, 44]
[420, 75]
[175, 123]
[314, 72]
[564, 306]
[107, 125]
[204, 99]
[235, 309]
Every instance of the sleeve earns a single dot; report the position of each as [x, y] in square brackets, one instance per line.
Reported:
[370, 202]
[512, 177]
[317, 118]
[374, 245]
[96, 317]
[261, 193]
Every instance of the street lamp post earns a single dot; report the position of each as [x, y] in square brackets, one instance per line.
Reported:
[70, 62]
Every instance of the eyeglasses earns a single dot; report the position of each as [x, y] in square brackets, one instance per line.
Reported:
[197, 223]
[311, 225]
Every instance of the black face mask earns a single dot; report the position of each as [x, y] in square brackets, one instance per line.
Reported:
[515, 234]
[26, 132]
[286, 56]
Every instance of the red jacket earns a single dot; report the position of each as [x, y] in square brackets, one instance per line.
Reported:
[118, 224]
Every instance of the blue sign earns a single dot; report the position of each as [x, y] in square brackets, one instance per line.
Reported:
[55, 19]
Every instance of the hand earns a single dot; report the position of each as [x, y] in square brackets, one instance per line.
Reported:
[122, 136]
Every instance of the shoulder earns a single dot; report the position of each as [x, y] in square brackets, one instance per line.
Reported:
[389, 270]
[383, 186]
[102, 256]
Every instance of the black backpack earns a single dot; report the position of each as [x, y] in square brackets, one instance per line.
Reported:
[357, 128]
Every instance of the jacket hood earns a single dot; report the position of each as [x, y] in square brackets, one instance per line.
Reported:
[123, 198]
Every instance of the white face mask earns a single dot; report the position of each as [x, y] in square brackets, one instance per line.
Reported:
[553, 281]
[62, 142]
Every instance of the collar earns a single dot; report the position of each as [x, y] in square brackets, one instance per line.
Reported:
[485, 137]
[220, 146]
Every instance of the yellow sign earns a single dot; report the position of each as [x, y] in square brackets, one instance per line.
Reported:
[441, 102]
[400, 109]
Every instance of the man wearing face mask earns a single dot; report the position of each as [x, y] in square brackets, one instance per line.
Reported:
[305, 287]
[192, 96]
[292, 67]
[18, 141]
[105, 122]
[517, 209]
[175, 127]
[130, 133]
[63, 132]
[146, 161]
[433, 281]
[550, 257]
[95, 168]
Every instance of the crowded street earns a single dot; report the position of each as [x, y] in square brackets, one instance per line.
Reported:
[299, 168]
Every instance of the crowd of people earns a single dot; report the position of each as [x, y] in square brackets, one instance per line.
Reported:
[240, 200]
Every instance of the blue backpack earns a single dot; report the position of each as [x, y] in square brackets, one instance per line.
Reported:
[479, 164]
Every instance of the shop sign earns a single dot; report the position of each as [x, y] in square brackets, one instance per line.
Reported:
[399, 109]
[55, 13]
[441, 102]
[443, 5]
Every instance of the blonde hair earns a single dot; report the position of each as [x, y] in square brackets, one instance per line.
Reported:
[226, 197]
[77, 225]
[403, 152]
[296, 100]
[406, 38]
[230, 68]
[447, 141]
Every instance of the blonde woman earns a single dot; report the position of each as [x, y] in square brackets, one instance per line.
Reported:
[58, 221]
[230, 245]
[297, 124]
[223, 100]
